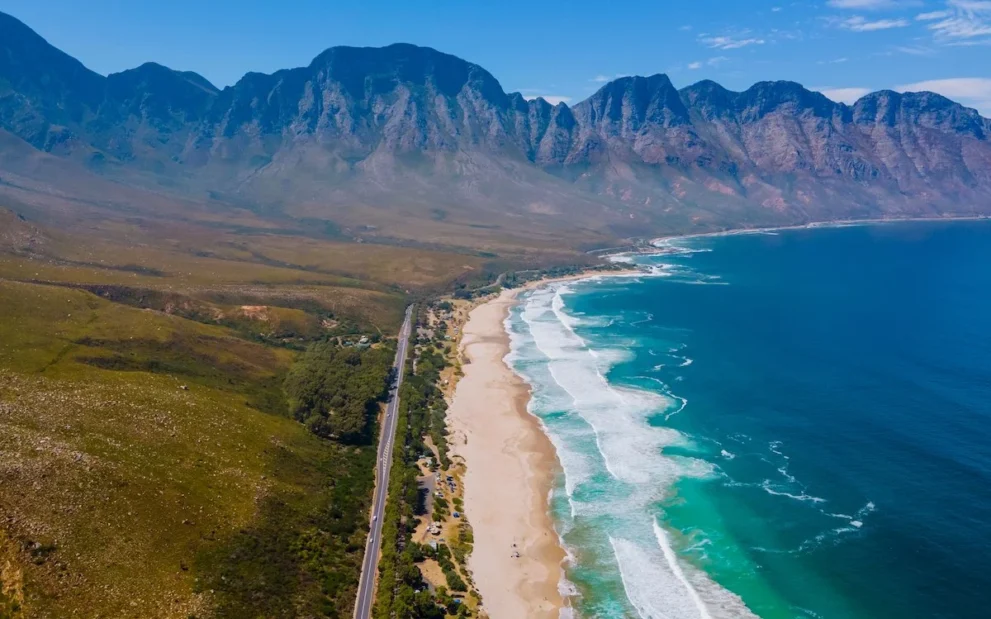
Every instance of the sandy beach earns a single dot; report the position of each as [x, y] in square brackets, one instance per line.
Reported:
[511, 466]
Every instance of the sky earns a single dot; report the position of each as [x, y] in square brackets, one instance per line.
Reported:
[562, 51]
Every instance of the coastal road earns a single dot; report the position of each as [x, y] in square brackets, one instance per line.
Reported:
[369, 567]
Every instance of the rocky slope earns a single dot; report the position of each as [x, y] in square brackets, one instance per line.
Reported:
[362, 130]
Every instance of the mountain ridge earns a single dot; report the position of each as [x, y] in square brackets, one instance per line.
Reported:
[366, 130]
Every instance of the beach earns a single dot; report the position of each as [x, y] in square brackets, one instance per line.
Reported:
[517, 558]
[710, 425]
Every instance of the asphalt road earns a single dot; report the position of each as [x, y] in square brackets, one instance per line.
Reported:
[369, 567]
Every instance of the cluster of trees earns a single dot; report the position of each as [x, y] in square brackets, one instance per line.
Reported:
[443, 557]
[335, 390]
[515, 279]
[303, 553]
[430, 401]
[402, 592]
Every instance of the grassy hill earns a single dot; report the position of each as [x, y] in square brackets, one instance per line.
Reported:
[150, 465]
[148, 468]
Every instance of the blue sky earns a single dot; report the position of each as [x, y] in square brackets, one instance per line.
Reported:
[560, 50]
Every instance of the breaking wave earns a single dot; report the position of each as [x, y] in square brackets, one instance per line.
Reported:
[616, 471]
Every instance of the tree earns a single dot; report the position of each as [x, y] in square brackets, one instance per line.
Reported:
[334, 390]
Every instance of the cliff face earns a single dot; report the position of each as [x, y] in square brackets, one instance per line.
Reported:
[409, 125]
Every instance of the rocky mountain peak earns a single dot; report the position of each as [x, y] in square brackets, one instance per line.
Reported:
[924, 109]
[369, 71]
[764, 98]
[634, 103]
[709, 99]
[35, 73]
[416, 125]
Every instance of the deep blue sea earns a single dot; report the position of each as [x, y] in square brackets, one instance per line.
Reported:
[786, 424]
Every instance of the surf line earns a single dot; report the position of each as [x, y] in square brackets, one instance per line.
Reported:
[662, 540]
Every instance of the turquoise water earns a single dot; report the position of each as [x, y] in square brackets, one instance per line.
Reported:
[795, 424]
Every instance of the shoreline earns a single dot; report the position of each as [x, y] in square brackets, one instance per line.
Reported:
[662, 243]
[511, 465]
[510, 468]
[839, 223]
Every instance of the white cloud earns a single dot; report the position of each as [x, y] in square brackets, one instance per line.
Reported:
[844, 95]
[862, 5]
[914, 50]
[602, 79]
[729, 41]
[552, 99]
[685, 28]
[775, 9]
[957, 87]
[971, 91]
[931, 15]
[715, 61]
[860, 24]
[976, 6]
[963, 19]
[958, 28]
[834, 61]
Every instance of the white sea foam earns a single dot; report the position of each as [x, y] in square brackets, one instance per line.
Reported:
[768, 487]
[630, 448]
[662, 270]
[678, 402]
[834, 536]
[672, 560]
[775, 448]
[702, 282]
[700, 545]
[784, 473]
[621, 258]
[653, 591]
[586, 410]
[678, 246]
[659, 586]
[649, 317]
[683, 403]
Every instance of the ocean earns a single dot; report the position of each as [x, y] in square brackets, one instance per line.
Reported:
[784, 424]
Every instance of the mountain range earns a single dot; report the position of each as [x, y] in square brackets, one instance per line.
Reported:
[362, 135]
